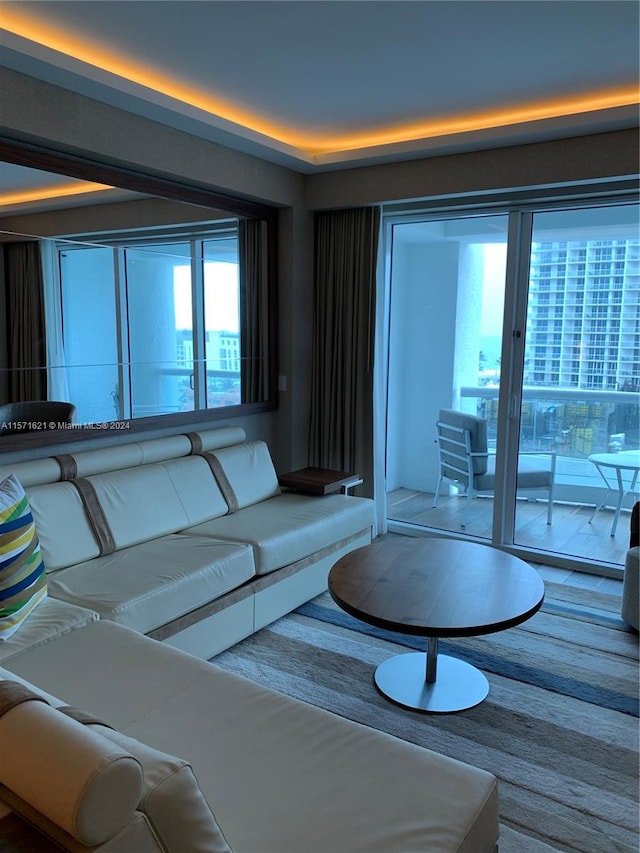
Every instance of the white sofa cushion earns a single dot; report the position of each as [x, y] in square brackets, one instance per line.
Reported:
[249, 473]
[144, 503]
[290, 526]
[35, 471]
[50, 619]
[211, 439]
[96, 461]
[197, 488]
[7, 675]
[65, 534]
[138, 503]
[119, 456]
[66, 771]
[149, 584]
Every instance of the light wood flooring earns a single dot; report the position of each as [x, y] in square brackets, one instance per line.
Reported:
[570, 535]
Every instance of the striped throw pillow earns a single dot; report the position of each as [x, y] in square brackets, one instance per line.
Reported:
[23, 581]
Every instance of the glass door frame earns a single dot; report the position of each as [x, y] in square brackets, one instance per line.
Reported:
[520, 208]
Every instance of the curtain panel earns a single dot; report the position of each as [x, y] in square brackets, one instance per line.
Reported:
[341, 430]
[254, 310]
[25, 324]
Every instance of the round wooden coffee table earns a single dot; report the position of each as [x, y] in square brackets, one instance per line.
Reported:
[429, 587]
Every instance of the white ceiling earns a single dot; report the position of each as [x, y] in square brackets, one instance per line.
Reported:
[312, 84]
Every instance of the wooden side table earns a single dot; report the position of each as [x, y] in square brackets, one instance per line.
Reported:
[319, 481]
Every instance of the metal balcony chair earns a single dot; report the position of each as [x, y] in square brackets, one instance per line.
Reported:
[30, 413]
[465, 461]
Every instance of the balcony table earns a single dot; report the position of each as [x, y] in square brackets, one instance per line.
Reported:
[617, 463]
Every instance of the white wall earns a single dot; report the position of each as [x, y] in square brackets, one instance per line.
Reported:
[467, 326]
[423, 317]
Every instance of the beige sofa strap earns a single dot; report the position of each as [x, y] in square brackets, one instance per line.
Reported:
[196, 443]
[96, 516]
[14, 693]
[83, 717]
[68, 466]
[221, 478]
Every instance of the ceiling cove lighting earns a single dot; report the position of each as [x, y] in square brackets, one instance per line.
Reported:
[47, 193]
[325, 143]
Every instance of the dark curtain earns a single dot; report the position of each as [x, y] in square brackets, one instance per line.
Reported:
[341, 433]
[254, 310]
[25, 322]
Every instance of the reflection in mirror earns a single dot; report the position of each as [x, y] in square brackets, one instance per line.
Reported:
[166, 311]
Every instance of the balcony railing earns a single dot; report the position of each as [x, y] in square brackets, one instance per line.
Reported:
[575, 423]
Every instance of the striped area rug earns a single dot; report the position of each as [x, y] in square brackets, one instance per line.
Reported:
[559, 728]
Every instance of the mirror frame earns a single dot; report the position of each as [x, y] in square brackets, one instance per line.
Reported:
[160, 186]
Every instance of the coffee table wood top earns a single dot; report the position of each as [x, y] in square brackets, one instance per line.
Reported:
[433, 587]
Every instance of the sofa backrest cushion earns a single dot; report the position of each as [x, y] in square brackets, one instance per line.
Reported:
[87, 463]
[86, 784]
[119, 456]
[247, 471]
[197, 488]
[150, 501]
[34, 472]
[23, 580]
[212, 439]
[63, 528]
[139, 504]
[134, 505]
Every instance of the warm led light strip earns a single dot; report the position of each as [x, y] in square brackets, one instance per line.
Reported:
[104, 60]
[41, 194]
[497, 118]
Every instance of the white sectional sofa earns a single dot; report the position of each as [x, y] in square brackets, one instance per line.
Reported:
[190, 541]
[266, 773]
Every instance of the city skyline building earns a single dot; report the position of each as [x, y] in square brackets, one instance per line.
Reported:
[583, 323]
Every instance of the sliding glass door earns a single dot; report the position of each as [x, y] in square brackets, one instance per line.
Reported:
[528, 322]
[581, 375]
[445, 340]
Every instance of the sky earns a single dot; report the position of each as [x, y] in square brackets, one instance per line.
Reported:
[220, 296]
[495, 264]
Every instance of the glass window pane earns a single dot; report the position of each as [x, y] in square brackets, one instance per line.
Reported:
[446, 310]
[582, 368]
[89, 332]
[222, 321]
[159, 305]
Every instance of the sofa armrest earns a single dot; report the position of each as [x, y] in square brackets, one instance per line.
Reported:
[45, 836]
[64, 770]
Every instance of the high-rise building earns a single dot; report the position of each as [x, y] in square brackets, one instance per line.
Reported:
[583, 324]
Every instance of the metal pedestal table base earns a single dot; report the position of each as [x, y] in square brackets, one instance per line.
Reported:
[438, 684]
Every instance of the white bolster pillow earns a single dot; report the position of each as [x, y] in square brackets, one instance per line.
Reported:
[84, 783]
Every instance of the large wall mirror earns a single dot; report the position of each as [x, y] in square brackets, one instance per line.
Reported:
[141, 301]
